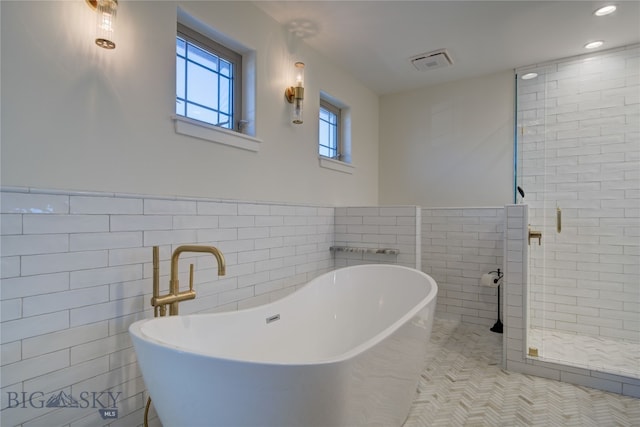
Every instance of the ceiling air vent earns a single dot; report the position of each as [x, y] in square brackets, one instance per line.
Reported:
[432, 60]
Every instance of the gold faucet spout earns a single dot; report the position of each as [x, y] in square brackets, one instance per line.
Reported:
[174, 284]
[199, 249]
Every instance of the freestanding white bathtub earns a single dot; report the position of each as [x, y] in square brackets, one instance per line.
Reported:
[346, 349]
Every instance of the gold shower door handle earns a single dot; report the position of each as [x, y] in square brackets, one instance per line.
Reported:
[558, 220]
[535, 235]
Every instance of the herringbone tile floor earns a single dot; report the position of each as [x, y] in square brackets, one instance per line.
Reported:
[464, 385]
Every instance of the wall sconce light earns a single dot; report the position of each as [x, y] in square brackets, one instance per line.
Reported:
[105, 21]
[295, 94]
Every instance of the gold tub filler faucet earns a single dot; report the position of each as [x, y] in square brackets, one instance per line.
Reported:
[175, 296]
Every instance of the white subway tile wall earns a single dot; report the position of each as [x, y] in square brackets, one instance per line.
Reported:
[459, 245]
[580, 151]
[77, 271]
[386, 227]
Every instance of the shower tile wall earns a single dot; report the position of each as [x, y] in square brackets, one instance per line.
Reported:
[459, 245]
[76, 272]
[391, 227]
[580, 144]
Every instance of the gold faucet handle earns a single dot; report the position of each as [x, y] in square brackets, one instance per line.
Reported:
[535, 235]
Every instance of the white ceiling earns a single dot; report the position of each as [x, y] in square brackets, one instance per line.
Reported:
[375, 39]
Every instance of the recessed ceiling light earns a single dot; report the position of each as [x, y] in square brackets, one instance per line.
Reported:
[594, 45]
[529, 76]
[605, 10]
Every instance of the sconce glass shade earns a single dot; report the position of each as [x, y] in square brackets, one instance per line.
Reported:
[297, 106]
[299, 73]
[105, 23]
[295, 94]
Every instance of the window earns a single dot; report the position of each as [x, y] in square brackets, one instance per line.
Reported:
[334, 135]
[215, 86]
[208, 86]
[329, 137]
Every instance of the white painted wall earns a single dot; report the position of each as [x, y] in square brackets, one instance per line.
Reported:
[78, 117]
[449, 145]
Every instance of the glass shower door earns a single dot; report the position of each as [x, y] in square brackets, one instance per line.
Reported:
[578, 163]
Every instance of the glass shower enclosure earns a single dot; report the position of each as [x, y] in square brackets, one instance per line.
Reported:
[578, 166]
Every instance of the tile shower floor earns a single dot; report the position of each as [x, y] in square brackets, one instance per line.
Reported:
[615, 356]
[464, 385]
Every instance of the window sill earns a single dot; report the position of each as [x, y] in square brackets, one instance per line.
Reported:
[197, 129]
[336, 165]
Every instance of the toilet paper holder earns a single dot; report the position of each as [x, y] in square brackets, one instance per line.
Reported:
[497, 327]
[498, 275]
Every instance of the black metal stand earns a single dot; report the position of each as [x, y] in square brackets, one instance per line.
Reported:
[497, 328]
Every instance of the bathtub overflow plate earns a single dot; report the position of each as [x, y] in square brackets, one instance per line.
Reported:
[273, 318]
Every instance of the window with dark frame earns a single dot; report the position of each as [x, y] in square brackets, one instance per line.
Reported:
[329, 131]
[208, 80]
